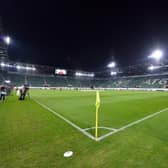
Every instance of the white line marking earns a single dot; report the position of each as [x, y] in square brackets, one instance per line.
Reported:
[108, 128]
[133, 123]
[106, 135]
[66, 120]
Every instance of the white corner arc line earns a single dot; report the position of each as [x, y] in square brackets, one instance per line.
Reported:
[66, 120]
[107, 128]
[133, 123]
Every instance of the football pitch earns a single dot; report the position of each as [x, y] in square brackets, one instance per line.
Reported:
[132, 129]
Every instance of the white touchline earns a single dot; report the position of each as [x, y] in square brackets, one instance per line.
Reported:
[131, 124]
[66, 120]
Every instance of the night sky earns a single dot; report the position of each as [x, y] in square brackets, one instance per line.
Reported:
[84, 35]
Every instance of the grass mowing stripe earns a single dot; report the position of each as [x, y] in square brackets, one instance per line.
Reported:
[132, 124]
[66, 120]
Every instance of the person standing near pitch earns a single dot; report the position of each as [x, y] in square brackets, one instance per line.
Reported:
[2, 93]
[23, 91]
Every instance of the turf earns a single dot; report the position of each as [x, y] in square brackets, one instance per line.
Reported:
[31, 136]
[117, 108]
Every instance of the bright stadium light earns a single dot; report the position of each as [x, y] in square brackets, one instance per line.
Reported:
[28, 68]
[84, 74]
[113, 73]
[91, 75]
[78, 74]
[3, 64]
[157, 55]
[151, 68]
[7, 81]
[18, 67]
[7, 40]
[111, 65]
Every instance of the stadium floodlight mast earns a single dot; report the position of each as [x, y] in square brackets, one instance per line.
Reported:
[111, 65]
[7, 40]
[157, 55]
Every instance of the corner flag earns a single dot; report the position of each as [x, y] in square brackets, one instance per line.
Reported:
[97, 111]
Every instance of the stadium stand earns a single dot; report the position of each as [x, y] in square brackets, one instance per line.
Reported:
[35, 81]
[135, 82]
[142, 81]
[16, 79]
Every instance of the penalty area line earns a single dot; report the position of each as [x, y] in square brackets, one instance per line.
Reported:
[66, 120]
[132, 124]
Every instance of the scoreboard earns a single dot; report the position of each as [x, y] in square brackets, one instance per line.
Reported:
[60, 72]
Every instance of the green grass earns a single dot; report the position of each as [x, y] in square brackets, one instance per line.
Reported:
[117, 108]
[32, 137]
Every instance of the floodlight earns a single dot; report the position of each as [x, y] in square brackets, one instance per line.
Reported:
[33, 68]
[92, 75]
[151, 68]
[27, 68]
[3, 64]
[7, 81]
[84, 74]
[157, 55]
[7, 40]
[111, 65]
[113, 73]
[18, 67]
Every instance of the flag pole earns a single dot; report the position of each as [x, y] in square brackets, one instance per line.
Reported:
[96, 131]
[97, 113]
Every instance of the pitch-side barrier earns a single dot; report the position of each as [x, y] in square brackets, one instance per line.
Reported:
[87, 89]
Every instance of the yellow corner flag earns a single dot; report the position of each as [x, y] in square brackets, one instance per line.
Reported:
[97, 111]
